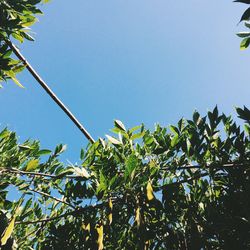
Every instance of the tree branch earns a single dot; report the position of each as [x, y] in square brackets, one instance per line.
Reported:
[76, 212]
[21, 172]
[51, 197]
[212, 166]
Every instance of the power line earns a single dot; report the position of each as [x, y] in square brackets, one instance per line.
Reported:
[49, 91]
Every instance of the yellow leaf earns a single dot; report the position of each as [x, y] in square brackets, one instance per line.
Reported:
[110, 216]
[86, 227]
[110, 204]
[32, 165]
[8, 231]
[100, 237]
[17, 82]
[150, 192]
[138, 216]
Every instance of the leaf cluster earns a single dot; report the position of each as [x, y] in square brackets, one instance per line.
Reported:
[245, 18]
[16, 17]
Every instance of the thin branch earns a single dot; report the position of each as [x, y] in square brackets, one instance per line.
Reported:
[49, 91]
[51, 197]
[76, 212]
[21, 172]
[63, 175]
[212, 166]
[80, 211]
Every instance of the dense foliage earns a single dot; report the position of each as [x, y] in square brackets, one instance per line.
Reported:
[181, 187]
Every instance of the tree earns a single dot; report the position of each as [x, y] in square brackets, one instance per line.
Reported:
[181, 187]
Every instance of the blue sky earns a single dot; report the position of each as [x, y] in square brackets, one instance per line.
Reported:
[135, 60]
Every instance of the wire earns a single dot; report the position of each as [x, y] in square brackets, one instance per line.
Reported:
[49, 91]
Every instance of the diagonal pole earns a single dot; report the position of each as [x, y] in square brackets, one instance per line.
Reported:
[49, 91]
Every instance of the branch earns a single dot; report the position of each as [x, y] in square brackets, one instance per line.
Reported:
[51, 197]
[80, 211]
[21, 172]
[49, 91]
[212, 166]
[76, 212]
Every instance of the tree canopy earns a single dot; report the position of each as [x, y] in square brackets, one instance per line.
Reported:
[177, 187]
[181, 187]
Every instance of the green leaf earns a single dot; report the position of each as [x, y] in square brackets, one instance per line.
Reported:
[245, 43]
[243, 34]
[247, 129]
[17, 37]
[44, 152]
[131, 164]
[7, 54]
[247, 24]
[135, 128]
[28, 36]
[246, 15]
[174, 129]
[242, 1]
[137, 136]
[120, 125]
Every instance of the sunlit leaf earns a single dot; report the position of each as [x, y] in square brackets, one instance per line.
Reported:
[150, 192]
[33, 164]
[113, 140]
[8, 232]
[99, 230]
[110, 216]
[81, 172]
[120, 125]
[138, 216]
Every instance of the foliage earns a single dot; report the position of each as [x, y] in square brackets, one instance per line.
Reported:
[181, 187]
[245, 18]
[16, 16]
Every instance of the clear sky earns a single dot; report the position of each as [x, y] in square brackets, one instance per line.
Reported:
[150, 61]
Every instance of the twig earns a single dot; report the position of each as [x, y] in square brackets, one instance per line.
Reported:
[49, 91]
[21, 172]
[51, 197]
